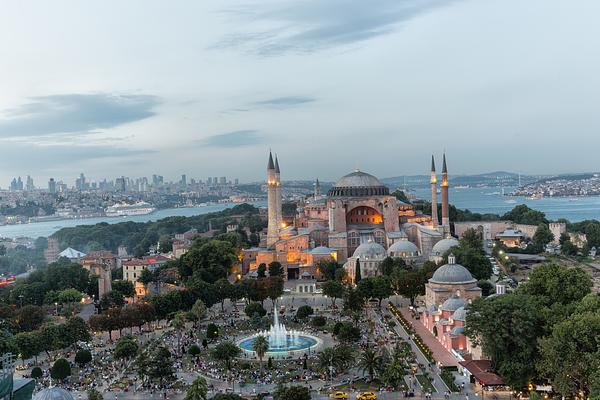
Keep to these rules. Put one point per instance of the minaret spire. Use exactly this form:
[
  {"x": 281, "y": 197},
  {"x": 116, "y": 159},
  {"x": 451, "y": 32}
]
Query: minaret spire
[
  {"x": 434, "y": 207},
  {"x": 278, "y": 193},
  {"x": 272, "y": 203},
  {"x": 445, "y": 203}
]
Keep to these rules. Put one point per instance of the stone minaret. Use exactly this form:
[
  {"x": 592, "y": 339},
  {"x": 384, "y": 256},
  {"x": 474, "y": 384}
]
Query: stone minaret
[
  {"x": 317, "y": 189},
  {"x": 278, "y": 197},
  {"x": 272, "y": 227},
  {"x": 434, "y": 209},
  {"x": 445, "y": 205}
]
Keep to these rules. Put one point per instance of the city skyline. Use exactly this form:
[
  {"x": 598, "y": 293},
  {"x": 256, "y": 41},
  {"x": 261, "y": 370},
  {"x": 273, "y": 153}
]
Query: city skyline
[{"x": 209, "y": 86}]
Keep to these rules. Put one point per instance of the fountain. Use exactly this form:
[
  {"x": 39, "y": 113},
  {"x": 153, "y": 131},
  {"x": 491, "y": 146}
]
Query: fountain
[{"x": 282, "y": 341}]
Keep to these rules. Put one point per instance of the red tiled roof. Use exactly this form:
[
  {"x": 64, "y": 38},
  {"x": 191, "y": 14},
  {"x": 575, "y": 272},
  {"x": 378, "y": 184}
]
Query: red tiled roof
[{"x": 482, "y": 371}]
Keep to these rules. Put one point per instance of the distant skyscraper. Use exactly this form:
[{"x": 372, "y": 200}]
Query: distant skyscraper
[
  {"x": 209, "y": 181},
  {"x": 223, "y": 180},
  {"x": 215, "y": 181},
  {"x": 29, "y": 186},
  {"x": 80, "y": 183},
  {"x": 52, "y": 186},
  {"x": 183, "y": 180},
  {"x": 120, "y": 184},
  {"x": 237, "y": 181}
]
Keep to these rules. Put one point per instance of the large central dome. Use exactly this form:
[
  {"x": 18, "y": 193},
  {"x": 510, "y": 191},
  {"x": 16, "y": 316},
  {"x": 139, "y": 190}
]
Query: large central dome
[{"x": 358, "y": 183}]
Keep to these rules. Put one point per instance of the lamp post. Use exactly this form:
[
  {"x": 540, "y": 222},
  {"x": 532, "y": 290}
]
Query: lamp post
[
  {"x": 56, "y": 308},
  {"x": 21, "y": 300}
]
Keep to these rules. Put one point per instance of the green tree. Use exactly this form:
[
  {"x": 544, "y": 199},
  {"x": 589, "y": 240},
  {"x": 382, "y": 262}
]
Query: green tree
[
  {"x": 329, "y": 269},
  {"x": 160, "y": 367},
  {"x": 353, "y": 300},
  {"x": 178, "y": 323},
  {"x": 69, "y": 296},
  {"x": 223, "y": 289},
  {"x": 522, "y": 214},
  {"x": 29, "y": 317},
  {"x": 393, "y": 374},
  {"x": 294, "y": 392},
  {"x": 199, "y": 311},
  {"x": 381, "y": 288},
  {"x": 198, "y": 390},
  {"x": 212, "y": 331},
  {"x": 408, "y": 283},
  {"x": 569, "y": 356},
  {"x": 357, "y": 273},
  {"x": 225, "y": 351},
  {"x": 126, "y": 347},
  {"x": 486, "y": 287},
  {"x": 333, "y": 289},
  {"x": 260, "y": 347},
  {"x": 370, "y": 362},
  {"x": 112, "y": 299},
  {"x": 94, "y": 394},
  {"x": 566, "y": 246},
  {"x": 28, "y": 344},
  {"x": 194, "y": 350},
  {"x": 304, "y": 311},
  {"x": 60, "y": 370},
  {"x": 124, "y": 287},
  {"x": 78, "y": 329},
  {"x": 83, "y": 357},
  {"x": 275, "y": 269},
  {"x": 508, "y": 327},
  {"x": 541, "y": 238},
  {"x": 255, "y": 308},
  {"x": 226, "y": 396},
  {"x": 36, "y": 373},
  {"x": 261, "y": 270},
  {"x": 553, "y": 283},
  {"x": 349, "y": 333}
]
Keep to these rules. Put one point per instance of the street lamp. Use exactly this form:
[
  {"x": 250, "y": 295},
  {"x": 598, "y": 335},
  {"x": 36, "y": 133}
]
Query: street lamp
[
  {"x": 21, "y": 300},
  {"x": 56, "y": 308}
]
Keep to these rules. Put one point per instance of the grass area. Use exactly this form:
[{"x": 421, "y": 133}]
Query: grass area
[
  {"x": 425, "y": 383},
  {"x": 448, "y": 379}
]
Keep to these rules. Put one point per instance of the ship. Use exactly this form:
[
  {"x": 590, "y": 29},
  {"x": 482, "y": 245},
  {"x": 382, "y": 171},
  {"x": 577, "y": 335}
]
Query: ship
[{"x": 126, "y": 209}]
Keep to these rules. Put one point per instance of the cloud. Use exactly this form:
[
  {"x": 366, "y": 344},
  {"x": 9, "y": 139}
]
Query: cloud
[
  {"x": 42, "y": 157},
  {"x": 307, "y": 26},
  {"x": 75, "y": 113},
  {"x": 242, "y": 138},
  {"x": 284, "y": 102}
]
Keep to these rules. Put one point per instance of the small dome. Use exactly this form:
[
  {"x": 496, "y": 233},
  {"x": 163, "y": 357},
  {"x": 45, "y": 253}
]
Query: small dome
[
  {"x": 460, "y": 314},
  {"x": 370, "y": 251},
  {"x": 441, "y": 247},
  {"x": 321, "y": 250},
  {"x": 53, "y": 393},
  {"x": 452, "y": 273},
  {"x": 358, "y": 183},
  {"x": 458, "y": 331},
  {"x": 409, "y": 249},
  {"x": 453, "y": 303}
]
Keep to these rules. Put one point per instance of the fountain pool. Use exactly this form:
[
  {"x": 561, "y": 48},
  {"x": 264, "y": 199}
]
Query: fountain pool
[{"x": 281, "y": 340}]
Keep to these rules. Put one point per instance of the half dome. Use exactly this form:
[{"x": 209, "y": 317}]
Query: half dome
[
  {"x": 53, "y": 393},
  {"x": 453, "y": 303}
]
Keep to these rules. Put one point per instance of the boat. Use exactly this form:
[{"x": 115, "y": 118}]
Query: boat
[
  {"x": 126, "y": 209},
  {"x": 536, "y": 196}
]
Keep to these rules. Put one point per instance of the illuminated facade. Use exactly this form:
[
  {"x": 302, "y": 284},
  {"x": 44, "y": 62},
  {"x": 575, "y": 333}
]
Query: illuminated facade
[{"x": 357, "y": 210}]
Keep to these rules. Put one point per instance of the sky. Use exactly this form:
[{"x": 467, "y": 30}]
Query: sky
[{"x": 206, "y": 88}]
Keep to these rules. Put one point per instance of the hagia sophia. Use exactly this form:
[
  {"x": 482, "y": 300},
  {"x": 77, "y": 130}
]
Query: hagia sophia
[{"x": 359, "y": 221}]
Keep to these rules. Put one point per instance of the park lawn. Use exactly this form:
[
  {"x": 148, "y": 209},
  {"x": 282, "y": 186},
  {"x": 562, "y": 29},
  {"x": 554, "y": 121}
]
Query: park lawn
[{"x": 425, "y": 383}]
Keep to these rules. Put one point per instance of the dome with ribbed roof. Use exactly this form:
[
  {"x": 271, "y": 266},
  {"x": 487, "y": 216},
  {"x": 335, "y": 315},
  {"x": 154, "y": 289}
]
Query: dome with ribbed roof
[
  {"x": 453, "y": 303},
  {"x": 403, "y": 248},
  {"x": 452, "y": 273},
  {"x": 321, "y": 250},
  {"x": 358, "y": 183},
  {"x": 460, "y": 314},
  {"x": 441, "y": 247},
  {"x": 53, "y": 393},
  {"x": 370, "y": 251}
]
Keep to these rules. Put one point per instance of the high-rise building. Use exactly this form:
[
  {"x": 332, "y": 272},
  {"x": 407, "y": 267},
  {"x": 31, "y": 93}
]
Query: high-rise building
[
  {"x": 52, "y": 186},
  {"x": 120, "y": 184},
  {"x": 215, "y": 181},
  {"x": 29, "y": 186},
  {"x": 183, "y": 181},
  {"x": 236, "y": 181},
  {"x": 209, "y": 181},
  {"x": 223, "y": 180},
  {"x": 80, "y": 183}
]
